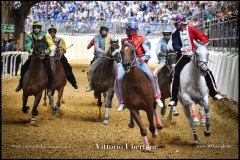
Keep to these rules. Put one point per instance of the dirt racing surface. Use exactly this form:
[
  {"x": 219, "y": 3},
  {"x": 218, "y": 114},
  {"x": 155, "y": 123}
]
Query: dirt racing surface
[{"x": 78, "y": 133}]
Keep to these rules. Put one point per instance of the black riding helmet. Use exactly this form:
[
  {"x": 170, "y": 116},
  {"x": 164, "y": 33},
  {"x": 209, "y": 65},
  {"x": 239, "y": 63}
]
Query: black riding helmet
[{"x": 104, "y": 28}]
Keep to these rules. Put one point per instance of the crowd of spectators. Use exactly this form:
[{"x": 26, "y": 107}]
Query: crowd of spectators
[{"x": 83, "y": 16}]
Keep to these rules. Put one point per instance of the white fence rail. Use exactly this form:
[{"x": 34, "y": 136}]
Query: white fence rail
[
  {"x": 9, "y": 62},
  {"x": 224, "y": 66}
]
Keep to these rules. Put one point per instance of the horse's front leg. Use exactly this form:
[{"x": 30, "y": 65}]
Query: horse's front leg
[
  {"x": 157, "y": 118},
  {"x": 207, "y": 131},
  {"x": 150, "y": 120},
  {"x": 35, "y": 105},
  {"x": 163, "y": 110},
  {"x": 108, "y": 105},
  {"x": 186, "y": 110},
  {"x": 25, "y": 108},
  {"x": 135, "y": 114},
  {"x": 186, "y": 99},
  {"x": 57, "y": 106}
]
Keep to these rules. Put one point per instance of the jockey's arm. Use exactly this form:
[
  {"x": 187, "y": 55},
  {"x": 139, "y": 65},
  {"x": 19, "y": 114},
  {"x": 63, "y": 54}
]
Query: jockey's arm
[
  {"x": 96, "y": 45},
  {"x": 28, "y": 44},
  {"x": 63, "y": 47},
  {"x": 199, "y": 35},
  {"x": 147, "y": 47},
  {"x": 50, "y": 43},
  {"x": 176, "y": 42}
]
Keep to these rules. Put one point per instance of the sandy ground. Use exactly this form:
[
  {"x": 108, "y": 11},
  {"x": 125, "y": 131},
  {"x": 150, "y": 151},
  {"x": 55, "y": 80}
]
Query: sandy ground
[{"x": 78, "y": 133}]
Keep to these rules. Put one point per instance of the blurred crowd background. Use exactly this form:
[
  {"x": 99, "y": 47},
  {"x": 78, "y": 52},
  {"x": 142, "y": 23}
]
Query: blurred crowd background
[{"x": 86, "y": 16}]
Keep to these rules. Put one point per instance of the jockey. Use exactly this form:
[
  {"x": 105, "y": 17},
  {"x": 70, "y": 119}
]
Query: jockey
[
  {"x": 182, "y": 40},
  {"x": 40, "y": 37},
  {"x": 102, "y": 43},
  {"x": 143, "y": 55},
  {"x": 61, "y": 50},
  {"x": 164, "y": 45}
]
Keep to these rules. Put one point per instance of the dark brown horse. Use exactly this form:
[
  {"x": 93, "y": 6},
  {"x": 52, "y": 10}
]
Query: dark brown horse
[
  {"x": 165, "y": 79},
  {"x": 34, "y": 82},
  {"x": 138, "y": 93},
  {"x": 103, "y": 78},
  {"x": 58, "y": 84}
]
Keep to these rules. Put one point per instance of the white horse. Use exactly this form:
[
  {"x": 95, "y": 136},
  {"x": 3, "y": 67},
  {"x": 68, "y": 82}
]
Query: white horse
[{"x": 193, "y": 88}]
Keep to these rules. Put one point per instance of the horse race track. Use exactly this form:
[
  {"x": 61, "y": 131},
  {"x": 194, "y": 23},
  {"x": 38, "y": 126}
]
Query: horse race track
[{"x": 78, "y": 133}]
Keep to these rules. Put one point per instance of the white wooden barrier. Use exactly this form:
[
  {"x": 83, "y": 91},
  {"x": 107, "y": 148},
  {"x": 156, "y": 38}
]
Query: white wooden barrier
[
  {"x": 5, "y": 58},
  {"x": 225, "y": 68}
]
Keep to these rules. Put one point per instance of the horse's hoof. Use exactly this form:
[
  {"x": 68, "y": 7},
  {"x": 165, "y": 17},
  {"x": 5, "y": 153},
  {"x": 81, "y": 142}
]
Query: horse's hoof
[
  {"x": 36, "y": 113},
  {"x": 154, "y": 135},
  {"x": 131, "y": 125},
  {"x": 33, "y": 120},
  {"x": 207, "y": 133},
  {"x": 159, "y": 126},
  {"x": 196, "y": 142},
  {"x": 54, "y": 108},
  {"x": 63, "y": 102},
  {"x": 105, "y": 122},
  {"x": 203, "y": 123},
  {"x": 25, "y": 109}
]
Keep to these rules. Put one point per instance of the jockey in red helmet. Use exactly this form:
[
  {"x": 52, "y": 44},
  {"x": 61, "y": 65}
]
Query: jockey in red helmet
[{"x": 143, "y": 47}]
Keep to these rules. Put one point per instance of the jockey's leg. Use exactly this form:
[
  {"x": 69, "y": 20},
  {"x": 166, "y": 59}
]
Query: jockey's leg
[
  {"x": 47, "y": 65},
  {"x": 24, "y": 69},
  {"x": 69, "y": 73},
  {"x": 158, "y": 68},
  {"x": 176, "y": 80},
  {"x": 93, "y": 67},
  {"x": 154, "y": 80},
  {"x": 115, "y": 67},
  {"x": 212, "y": 86},
  {"x": 118, "y": 87}
]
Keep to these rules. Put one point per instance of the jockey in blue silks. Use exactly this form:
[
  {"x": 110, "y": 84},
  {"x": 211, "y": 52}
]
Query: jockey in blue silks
[
  {"x": 163, "y": 46},
  {"x": 143, "y": 47}
]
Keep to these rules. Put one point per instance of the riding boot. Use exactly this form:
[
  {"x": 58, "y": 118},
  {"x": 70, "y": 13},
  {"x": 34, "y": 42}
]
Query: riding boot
[
  {"x": 47, "y": 65},
  {"x": 69, "y": 73},
  {"x": 24, "y": 69}
]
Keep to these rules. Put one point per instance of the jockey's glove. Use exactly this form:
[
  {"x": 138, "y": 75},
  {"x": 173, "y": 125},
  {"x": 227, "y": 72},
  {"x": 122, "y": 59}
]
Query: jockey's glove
[
  {"x": 52, "y": 53},
  {"x": 30, "y": 52},
  {"x": 47, "y": 51}
]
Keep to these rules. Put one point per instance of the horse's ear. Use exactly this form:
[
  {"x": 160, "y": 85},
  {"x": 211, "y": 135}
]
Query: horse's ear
[
  {"x": 207, "y": 44},
  {"x": 196, "y": 44}
]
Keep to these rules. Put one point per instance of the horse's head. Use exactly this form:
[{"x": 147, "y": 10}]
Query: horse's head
[
  {"x": 114, "y": 51},
  {"x": 128, "y": 54},
  {"x": 171, "y": 58},
  {"x": 39, "y": 50},
  {"x": 201, "y": 57}
]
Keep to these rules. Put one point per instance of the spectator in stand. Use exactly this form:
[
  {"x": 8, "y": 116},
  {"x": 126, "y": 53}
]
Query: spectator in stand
[
  {"x": 3, "y": 48},
  {"x": 11, "y": 45},
  {"x": 195, "y": 22}
]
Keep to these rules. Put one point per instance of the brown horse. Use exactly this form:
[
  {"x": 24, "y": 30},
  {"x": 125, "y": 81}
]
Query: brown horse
[
  {"x": 165, "y": 79},
  {"x": 103, "y": 78},
  {"x": 58, "y": 84},
  {"x": 138, "y": 92},
  {"x": 34, "y": 82}
]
